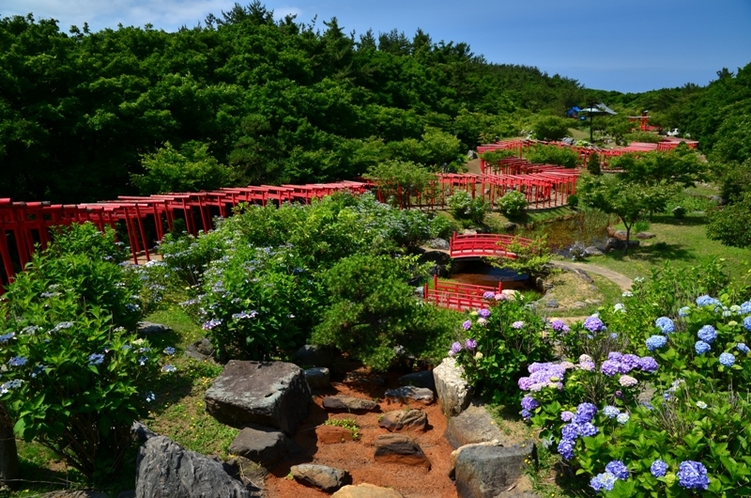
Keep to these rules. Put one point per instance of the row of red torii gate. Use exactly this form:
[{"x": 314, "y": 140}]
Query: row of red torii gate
[{"x": 24, "y": 226}]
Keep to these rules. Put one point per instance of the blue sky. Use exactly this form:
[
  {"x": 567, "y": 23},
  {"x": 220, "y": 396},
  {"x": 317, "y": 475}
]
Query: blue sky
[{"x": 629, "y": 46}]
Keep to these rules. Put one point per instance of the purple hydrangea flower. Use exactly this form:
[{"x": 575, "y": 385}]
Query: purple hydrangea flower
[
  {"x": 488, "y": 295},
  {"x": 610, "y": 368},
  {"x": 526, "y": 414},
  {"x": 727, "y": 359},
  {"x": 589, "y": 366},
  {"x": 594, "y": 324},
  {"x": 470, "y": 344},
  {"x": 648, "y": 364},
  {"x": 630, "y": 362},
  {"x": 455, "y": 348},
  {"x": 618, "y": 469},
  {"x": 603, "y": 482},
  {"x": 214, "y": 322},
  {"x": 707, "y": 334},
  {"x": 560, "y": 326},
  {"x": 483, "y": 313},
  {"x": 519, "y": 324},
  {"x": 467, "y": 324},
  {"x": 665, "y": 325},
  {"x": 656, "y": 342},
  {"x": 692, "y": 475},
  {"x": 566, "y": 449},
  {"x": 659, "y": 468},
  {"x": 529, "y": 403},
  {"x": 702, "y": 347}
]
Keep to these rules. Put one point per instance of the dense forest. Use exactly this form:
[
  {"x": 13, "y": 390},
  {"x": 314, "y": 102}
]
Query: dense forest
[{"x": 251, "y": 99}]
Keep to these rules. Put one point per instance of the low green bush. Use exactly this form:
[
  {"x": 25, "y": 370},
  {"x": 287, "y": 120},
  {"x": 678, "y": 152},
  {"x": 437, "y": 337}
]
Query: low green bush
[{"x": 512, "y": 204}]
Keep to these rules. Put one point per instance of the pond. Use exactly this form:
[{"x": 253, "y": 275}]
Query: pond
[
  {"x": 588, "y": 228},
  {"x": 478, "y": 272}
]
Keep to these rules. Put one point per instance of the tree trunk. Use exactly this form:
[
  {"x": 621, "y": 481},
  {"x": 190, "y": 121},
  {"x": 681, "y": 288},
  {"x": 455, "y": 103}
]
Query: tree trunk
[{"x": 8, "y": 455}]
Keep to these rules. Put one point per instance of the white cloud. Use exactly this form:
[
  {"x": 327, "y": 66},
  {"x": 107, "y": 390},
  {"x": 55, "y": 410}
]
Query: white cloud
[{"x": 282, "y": 12}]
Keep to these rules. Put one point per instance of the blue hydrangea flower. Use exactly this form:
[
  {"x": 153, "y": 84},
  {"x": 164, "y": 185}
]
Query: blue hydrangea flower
[
  {"x": 169, "y": 368},
  {"x": 665, "y": 324},
  {"x": 566, "y": 449},
  {"x": 17, "y": 361},
  {"x": 611, "y": 411},
  {"x": 569, "y": 432},
  {"x": 706, "y": 301},
  {"x": 603, "y": 482},
  {"x": 747, "y": 323},
  {"x": 526, "y": 414},
  {"x": 692, "y": 475},
  {"x": 610, "y": 367},
  {"x": 702, "y": 347},
  {"x": 169, "y": 350},
  {"x": 618, "y": 469},
  {"x": 741, "y": 346},
  {"x": 659, "y": 468},
  {"x": 727, "y": 359},
  {"x": 746, "y": 308},
  {"x": 656, "y": 342},
  {"x": 96, "y": 359},
  {"x": 588, "y": 429},
  {"x": 6, "y": 337},
  {"x": 683, "y": 312},
  {"x": 622, "y": 418},
  {"x": 707, "y": 334},
  {"x": 529, "y": 403},
  {"x": 584, "y": 413}
]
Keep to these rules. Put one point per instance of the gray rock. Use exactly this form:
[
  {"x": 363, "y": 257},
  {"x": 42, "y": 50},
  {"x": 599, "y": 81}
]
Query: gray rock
[
  {"x": 473, "y": 425},
  {"x": 366, "y": 490},
  {"x": 583, "y": 275},
  {"x": 510, "y": 226},
  {"x": 318, "y": 377},
  {"x": 577, "y": 305},
  {"x": 620, "y": 234},
  {"x": 201, "y": 350},
  {"x": 439, "y": 243},
  {"x": 131, "y": 493},
  {"x": 326, "y": 478},
  {"x": 314, "y": 355},
  {"x": 423, "y": 378},
  {"x": 349, "y": 403},
  {"x": 262, "y": 445},
  {"x": 438, "y": 270},
  {"x": 488, "y": 471},
  {"x": 75, "y": 493},
  {"x": 551, "y": 303},
  {"x": 645, "y": 235},
  {"x": 454, "y": 393},
  {"x": 140, "y": 432},
  {"x": 406, "y": 394},
  {"x": 420, "y": 291},
  {"x": 145, "y": 329},
  {"x": 166, "y": 470},
  {"x": 407, "y": 420},
  {"x": 272, "y": 394},
  {"x": 398, "y": 448},
  {"x": 593, "y": 251},
  {"x": 718, "y": 199}
]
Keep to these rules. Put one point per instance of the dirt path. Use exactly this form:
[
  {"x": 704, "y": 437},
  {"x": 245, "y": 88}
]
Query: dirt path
[{"x": 621, "y": 280}]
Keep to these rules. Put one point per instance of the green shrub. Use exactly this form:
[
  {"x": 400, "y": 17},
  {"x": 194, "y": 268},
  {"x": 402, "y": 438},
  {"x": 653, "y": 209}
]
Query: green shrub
[
  {"x": 573, "y": 200},
  {"x": 643, "y": 136},
  {"x": 679, "y": 212},
  {"x": 551, "y": 128},
  {"x": 463, "y": 207},
  {"x": 550, "y": 154},
  {"x": 512, "y": 204}
]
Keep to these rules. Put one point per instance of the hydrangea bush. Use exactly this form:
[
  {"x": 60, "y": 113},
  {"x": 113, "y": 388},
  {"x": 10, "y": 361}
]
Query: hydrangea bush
[
  {"x": 657, "y": 408},
  {"x": 498, "y": 342},
  {"x": 74, "y": 375}
]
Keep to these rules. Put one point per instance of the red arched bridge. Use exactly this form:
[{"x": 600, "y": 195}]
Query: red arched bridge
[{"x": 483, "y": 245}]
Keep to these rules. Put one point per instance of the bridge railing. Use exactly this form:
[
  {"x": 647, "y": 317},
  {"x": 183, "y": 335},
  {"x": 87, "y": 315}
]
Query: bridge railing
[
  {"x": 458, "y": 296},
  {"x": 484, "y": 244}
]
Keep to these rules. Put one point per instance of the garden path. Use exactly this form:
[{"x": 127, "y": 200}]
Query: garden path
[{"x": 620, "y": 279}]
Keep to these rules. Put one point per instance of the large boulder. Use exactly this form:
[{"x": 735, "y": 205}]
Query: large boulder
[
  {"x": 408, "y": 394},
  {"x": 272, "y": 394},
  {"x": 366, "y": 490},
  {"x": 318, "y": 377},
  {"x": 404, "y": 420},
  {"x": 397, "y": 448},
  {"x": 314, "y": 355},
  {"x": 488, "y": 471},
  {"x": 454, "y": 393},
  {"x": 166, "y": 470},
  {"x": 146, "y": 329},
  {"x": 473, "y": 425},
  {"x": 320, "y": 476},
  {"x": 261, "y": 445}
]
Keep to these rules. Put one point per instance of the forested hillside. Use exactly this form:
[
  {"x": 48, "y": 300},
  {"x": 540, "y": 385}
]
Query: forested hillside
[{"x": 257, "y": 100}]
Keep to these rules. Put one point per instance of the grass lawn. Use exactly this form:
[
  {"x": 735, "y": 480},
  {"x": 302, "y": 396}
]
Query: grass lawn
[{"x": 682, "y": 242}]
